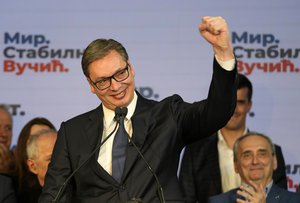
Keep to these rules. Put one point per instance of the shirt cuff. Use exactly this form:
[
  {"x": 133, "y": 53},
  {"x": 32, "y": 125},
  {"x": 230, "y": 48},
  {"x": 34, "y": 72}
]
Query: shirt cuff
[{"x": 227, "y": 65}]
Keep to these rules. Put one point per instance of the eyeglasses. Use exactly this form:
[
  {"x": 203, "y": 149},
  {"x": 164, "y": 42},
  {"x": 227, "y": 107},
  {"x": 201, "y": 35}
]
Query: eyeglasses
[{"x": 119, "y": 76}]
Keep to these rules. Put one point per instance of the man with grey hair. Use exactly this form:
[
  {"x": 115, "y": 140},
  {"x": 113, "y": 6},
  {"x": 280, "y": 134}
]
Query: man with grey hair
[
  {"x": 7, "y": 160},
  {"x": 207, "y": 166},
  {"x": 39, "y": 150},
  {"x": 255, "y": 160}
]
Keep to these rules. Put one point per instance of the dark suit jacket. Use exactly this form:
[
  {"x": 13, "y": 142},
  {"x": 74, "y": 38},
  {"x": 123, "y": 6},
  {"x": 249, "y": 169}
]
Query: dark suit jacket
[
  {"x": 7, "y": 192},
  {"x": 30, "y": 191},
  {"x": 160, "y": 130},
  {"x": 276, "y": 195},
  {"x": 200, "y": 174}
]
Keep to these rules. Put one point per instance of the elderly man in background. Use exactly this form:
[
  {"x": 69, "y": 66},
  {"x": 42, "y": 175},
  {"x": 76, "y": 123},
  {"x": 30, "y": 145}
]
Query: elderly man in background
[
  {"x": 255, "y": 160},
  {"x": 39, "y": 151}
]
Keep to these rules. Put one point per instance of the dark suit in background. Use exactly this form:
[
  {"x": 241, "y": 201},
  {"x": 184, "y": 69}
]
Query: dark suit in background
[
  {"x": 276, "y": 195},
  {"x": 7, "y": 192},
  {"x": 200, "y": 174}
]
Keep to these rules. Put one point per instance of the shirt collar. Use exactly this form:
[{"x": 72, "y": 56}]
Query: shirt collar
[
  {"x": 221, "y": 137},
  {"x": 267, "y": 189},
  {"x": 110, "y": 114},
  {"x": 131, "y": 107}
]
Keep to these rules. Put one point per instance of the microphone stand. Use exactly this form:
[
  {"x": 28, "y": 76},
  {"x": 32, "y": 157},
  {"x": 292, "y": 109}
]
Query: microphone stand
[
  {"x": 118, "y": 113},
  {"x": 159, "y": 187},
  {"x": 63, "y": 186},
  {"x": 123, "y": 112}
]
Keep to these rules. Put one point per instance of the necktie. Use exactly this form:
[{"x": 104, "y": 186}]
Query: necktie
[{"x": 119, "y": 151}]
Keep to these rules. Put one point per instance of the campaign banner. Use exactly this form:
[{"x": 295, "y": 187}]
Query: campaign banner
[{"x": 42, "y": 44}]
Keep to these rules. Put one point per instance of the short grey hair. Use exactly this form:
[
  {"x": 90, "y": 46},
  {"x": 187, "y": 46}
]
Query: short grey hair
[
  {"x": 251, "y": 133},
  {"x": 32, "y": 147}
]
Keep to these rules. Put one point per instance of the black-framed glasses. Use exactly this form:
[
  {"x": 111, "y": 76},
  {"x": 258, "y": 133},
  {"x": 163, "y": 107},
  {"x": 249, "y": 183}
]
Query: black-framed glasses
[{"x": 119, "y": 76}]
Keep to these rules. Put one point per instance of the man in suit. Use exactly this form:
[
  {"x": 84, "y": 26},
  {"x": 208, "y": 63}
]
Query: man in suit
[
  {"x": 255, "y": 161},
  {"x": 206, "y": 168},
  {"x": 7, "y": 192},
  {"x": 157, "y": 130},
  {"x": 39, "y": 150}
]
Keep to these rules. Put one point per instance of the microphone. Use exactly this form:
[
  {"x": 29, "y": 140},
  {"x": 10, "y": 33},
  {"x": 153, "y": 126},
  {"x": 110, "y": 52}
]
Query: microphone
[
  {"x": 118, "y": 113},
  {"x": 159, "y": 187}
]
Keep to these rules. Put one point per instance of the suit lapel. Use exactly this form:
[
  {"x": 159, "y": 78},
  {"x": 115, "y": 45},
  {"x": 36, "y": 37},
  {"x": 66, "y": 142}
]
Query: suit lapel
[
  {"x": 93, "y": 130},
  {"x": 139, "y": 121},
  {"x": 213, "y": 158},
  {"x": 233, "y": 195},
  {"x": 274, "y": 194},
  {"x": 94, "y": 127}
]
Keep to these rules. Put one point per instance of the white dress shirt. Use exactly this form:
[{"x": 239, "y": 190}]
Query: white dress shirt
[
  {"x": 229, "y": 178},
  {"x": 105, "y": 153},
  {"x": 227, "y": 65}
]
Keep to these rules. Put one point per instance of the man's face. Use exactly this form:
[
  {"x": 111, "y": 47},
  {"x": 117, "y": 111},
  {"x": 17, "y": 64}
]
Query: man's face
[
  {"x": 5, "y": 128},
  {"x": 119, "y": 94},
  {"x": 45, "y": 147},
  {"x": 255, "y": 160},
  {"x": 243, "y": 106}
]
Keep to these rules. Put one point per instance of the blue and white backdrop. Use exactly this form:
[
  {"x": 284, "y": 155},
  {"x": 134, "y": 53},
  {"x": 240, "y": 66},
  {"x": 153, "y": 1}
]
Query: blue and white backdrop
[{"x": 42, "y": 41}]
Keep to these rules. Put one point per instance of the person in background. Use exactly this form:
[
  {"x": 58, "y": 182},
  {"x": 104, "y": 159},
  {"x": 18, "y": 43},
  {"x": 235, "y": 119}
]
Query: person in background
[
  {"x": 254, "y": 161},
  {"x": 7, "y": 191},
  {"x": 28, "y": 189},
  {"x": 156, "y": 130},
  {"x": 205, "y": 167},
  {"x": 39, "y": 151},
  {"x": 7, "y": 159}
]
